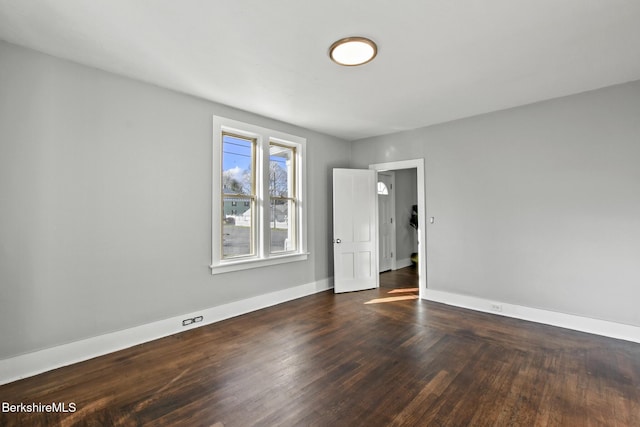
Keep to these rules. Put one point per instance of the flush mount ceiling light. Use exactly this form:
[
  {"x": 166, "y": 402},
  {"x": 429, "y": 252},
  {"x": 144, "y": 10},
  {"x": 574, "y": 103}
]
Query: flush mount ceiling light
[{"x": 352, "y": 51}]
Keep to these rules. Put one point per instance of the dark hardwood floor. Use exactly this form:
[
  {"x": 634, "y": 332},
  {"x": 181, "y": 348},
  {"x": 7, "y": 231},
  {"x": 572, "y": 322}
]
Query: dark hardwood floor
[{"x": 360, "y": 359}]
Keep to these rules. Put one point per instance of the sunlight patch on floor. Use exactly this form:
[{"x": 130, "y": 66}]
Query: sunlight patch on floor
[
  {"x": 403, "y": 290},
  {"x": 391, "y": 299}
]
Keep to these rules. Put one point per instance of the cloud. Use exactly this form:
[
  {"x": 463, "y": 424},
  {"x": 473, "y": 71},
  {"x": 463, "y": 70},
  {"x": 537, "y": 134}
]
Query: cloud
[{"x": 234, "y": 173}]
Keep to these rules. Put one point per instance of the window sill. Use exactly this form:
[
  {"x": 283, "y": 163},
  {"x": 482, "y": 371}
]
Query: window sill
[{"x": 229, "y": 266}]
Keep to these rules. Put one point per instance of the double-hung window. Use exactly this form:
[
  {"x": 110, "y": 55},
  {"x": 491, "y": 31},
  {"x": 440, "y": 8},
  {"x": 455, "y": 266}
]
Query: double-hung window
[{"x": 259, "y": 209}]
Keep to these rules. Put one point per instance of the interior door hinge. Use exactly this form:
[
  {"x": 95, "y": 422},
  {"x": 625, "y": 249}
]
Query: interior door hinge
[{"x": 391, "y": 220}]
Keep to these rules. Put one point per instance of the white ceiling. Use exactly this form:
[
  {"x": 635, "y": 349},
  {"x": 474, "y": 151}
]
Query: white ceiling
[{"x": 438, "y": 60}]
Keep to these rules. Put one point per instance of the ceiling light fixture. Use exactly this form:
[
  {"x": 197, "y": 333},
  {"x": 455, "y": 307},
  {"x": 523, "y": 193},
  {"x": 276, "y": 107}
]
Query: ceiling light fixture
[{"x": 352, "y": 51}]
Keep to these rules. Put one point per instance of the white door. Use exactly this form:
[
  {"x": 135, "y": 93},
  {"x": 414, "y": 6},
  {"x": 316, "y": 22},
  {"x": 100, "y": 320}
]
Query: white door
[
  {"x": 354, "y": 230},
  {"x": 385, "y": 220}
]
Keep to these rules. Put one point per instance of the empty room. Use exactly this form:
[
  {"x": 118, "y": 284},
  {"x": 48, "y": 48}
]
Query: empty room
[{"x": 339, "y": 213}]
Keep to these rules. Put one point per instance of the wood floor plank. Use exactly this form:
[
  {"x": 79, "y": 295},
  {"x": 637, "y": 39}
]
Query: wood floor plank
[{"x": 363, "y": 358}]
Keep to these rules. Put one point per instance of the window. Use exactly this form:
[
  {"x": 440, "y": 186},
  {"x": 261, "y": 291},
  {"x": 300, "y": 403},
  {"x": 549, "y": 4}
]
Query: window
[
  {"x": 282, "y": 195},
  {"x": 382, "y": 188},
  {"x": 259, "y": 214},
  {"x": 238, "y": 183}
]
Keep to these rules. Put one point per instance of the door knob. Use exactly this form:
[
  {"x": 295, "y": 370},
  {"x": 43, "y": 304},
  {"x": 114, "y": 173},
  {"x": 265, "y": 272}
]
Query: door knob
[{"x": 338, "y": 241}]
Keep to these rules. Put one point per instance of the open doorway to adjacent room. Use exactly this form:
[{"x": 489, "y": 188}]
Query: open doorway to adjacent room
[{"x": 402, "y": 261}]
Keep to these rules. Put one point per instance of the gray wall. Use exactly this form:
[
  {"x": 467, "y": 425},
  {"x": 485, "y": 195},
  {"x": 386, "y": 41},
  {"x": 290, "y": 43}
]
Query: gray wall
[
  {"x": 105, "y": 204},
  {"x": 537, "y": 205},
  {"x": 406, "y": 196}
]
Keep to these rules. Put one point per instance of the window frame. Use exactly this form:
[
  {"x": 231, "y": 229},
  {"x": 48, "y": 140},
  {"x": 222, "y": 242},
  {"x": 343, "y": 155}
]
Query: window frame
[{"x": 264, "y": 138}]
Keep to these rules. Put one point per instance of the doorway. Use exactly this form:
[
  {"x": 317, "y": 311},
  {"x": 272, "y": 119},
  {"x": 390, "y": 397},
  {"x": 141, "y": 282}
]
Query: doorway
[{"x": 417, "y": 168}]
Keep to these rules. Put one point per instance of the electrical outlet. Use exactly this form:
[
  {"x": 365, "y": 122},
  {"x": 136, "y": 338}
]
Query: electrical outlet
[
  {"x": 496, "y": 307},
  {"x": 198, "y": 319}
]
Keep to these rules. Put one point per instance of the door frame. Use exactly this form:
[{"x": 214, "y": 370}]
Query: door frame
[
  {"x": 392, "y": 201},
  {"x": 418, "y": 164}
]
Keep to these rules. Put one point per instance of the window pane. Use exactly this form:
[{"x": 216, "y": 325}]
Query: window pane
[
  {"x": 281, "y": 167},
  {"x": 237, "y": 165},
  {"x": 282, "y": 224},
  {"x": 237, "y": 225},
  {"x": 382, "y": 188}
]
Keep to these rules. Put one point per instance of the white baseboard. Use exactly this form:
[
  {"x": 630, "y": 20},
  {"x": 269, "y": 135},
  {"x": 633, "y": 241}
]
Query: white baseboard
[
  {"x": 402, "y": 263},
  {"x": 31, "y": 364},
  {"x": 563, "y": 320}
]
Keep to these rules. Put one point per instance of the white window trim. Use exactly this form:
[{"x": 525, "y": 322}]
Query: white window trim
[{"x": 263, "y": 257}]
